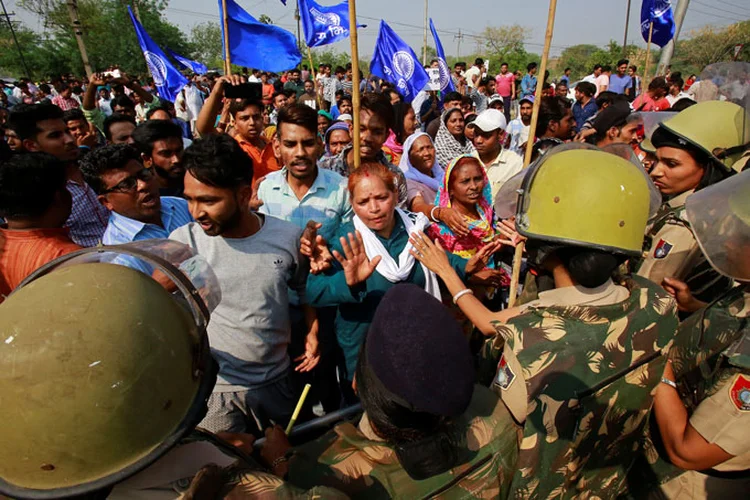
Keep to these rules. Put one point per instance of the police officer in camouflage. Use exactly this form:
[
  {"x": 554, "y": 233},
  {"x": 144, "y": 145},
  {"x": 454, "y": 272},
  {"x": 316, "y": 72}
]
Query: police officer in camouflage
[
  {"x": 103, "y": 378},
  {"x": 694, "y": 149},
  {"x": 576, "y": 367},
  {"x": 702, "y": 406},
  {"x": 428, "y": 430}
]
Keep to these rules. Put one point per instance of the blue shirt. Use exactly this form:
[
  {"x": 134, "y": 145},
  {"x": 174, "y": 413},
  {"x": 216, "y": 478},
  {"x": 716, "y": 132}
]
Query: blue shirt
[
  {"x": 619, "y": 84},
  {"x": 327, "y": 201},
  {"x": 121, "y": 229},
  {"x": 583, "y": 113},
  {"x": 528, "y": 85}
]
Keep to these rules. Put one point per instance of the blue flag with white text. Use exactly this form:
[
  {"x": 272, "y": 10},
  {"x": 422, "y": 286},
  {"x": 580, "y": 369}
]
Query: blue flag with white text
[
  {"x": 168, "y": 80},
  {"x": 194, "y": 66},
  {"x": 323, "y": 25},
  {"x": 395, "y": 62},
  {"x": 446, "y": 82},
  {"x": 660, "y": 13},
  {"x": 256, "y": 45}
]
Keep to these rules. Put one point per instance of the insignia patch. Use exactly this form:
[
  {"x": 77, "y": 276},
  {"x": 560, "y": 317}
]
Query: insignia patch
[
  {"x": 662, "y": 249},
  {"x": 505, "y": 375},
  {"x": 739, "y": 393}
]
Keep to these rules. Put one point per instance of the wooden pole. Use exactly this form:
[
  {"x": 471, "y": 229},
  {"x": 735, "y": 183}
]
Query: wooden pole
[
  {"x": 517, "y": 256},
  {"x": 227, "y": 57},
  {"x": 625, "y": 39},
  {"x": 424, "y": 47},
  {"x": 315, "y": 80},
  {"x": 355, "y": 79},
  {"x": 15, "y": 39},
  {"x": 76, "y": 22},
  {"x": 648, "y": 54},
  {"x": 137, "y": 11}
]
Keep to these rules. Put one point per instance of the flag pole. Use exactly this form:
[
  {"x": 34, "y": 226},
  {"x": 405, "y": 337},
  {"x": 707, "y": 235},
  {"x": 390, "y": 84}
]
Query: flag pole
[
  {"x": 355, "y": 79},
  {"x": 648, "y": 53},
  {"x": 315, "y": 80},
  {"x": 227, "y": 57},
  {"x": 517, "y": 256}
]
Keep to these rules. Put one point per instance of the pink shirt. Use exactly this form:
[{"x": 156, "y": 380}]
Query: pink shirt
[
  {"x": 504, "y": 84},
  {"x": 644, "y": 102}
]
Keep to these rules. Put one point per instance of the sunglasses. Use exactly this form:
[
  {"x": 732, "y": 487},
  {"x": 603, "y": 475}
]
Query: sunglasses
[{"x": 130, "y": 183}]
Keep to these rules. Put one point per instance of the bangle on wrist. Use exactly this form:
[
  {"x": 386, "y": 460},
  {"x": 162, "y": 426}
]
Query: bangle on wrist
[
  {"x": 671, "y": 383},
  {"x": 432, "y": 214},
  {"x": 465, "y": 291},
  {"x": 282, "y": 459}
]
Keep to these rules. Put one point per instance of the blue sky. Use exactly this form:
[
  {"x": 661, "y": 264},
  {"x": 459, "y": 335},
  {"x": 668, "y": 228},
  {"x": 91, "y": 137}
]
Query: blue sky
[{"x": 577, "y": 21}]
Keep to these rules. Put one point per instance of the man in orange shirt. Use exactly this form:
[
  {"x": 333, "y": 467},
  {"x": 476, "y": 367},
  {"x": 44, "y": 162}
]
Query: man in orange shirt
[
  {"x": 35, "y": 205},
  {"x": 248, "y": 126}
]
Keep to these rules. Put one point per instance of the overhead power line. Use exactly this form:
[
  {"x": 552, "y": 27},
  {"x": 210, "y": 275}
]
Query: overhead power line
[{"x": 719, "y": 8}]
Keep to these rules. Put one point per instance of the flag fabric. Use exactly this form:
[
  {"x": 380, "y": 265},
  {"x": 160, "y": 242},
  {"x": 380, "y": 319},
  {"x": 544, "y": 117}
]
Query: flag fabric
[
  {"x": 194, "y": 66},
  {"x": 323, "y": 25},
  {"x": 446, "y": 82},
  {"x": 168, "y": 80},
  {"x": 660, "y": 13},
  {"x": 395, "y": 62},
  {"x": 256, "y": 45}
]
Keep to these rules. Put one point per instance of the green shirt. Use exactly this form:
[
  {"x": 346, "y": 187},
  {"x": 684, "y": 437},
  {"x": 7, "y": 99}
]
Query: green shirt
[
  {"x": 97, "y": 116},
  {"x": 356, "y": 305}
]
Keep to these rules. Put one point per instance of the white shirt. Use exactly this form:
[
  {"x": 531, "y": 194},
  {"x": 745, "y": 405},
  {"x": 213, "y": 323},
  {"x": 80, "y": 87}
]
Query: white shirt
[
  {"x": 506, "y": 165},
  {"x": 590, "y": 78},
  {"x": 674, "y": 98},
  {"x": 105, "y": 106},
  {"x": 470, "y": 73}
]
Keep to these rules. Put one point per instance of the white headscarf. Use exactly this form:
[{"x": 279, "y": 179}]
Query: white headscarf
[
  {"x": 388, "y": 268},
  {"x": 412, "y": 172}
]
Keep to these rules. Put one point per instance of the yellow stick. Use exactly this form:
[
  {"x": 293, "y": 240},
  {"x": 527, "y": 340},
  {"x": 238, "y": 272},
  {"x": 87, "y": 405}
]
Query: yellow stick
[
  {"x": 315, "y": 80},
  {"x": 355, "y": 79},
  {"x": 648, "y": 54},
  {"x": 227, "y": 57},
  {"x": 298, "y": 409},
  {"x": 518, "y": 255}
]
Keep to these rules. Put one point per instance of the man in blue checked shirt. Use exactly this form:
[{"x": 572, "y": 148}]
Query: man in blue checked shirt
[
  {"x": 131, "y": 192},
  {"x": 298, "y": 193}
]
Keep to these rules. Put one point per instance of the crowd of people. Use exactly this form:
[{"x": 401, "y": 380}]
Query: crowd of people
[{"x": 382, "y": 277}]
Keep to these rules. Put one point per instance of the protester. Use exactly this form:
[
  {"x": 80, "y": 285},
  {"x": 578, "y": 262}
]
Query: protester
[
  {"x": 595, "y": 73},
  {"x": 337, "y": 138},
  {"x": 309, "y": 97},
  {"x": 636, "y": 87},
  {"x": 248, "y": 124},
  {"x": 161, "y": 147},
  {"x": 295, "y": 83},
  {"x": 518, "y": 129},
  {"x": 450, "y": 141},
  {"x": 375, "y": 121},
  {"x": 585, "y": 305},
  {"x": 118, "y": 129},
  {"x": 654, "y": 99},
  {"x": 489, "y": 137},
  {"x": 480, "y": 95},
  {"x": 505, "y": 88},
  {"x": 602, "y": 81},
  {"x": 474, "y": 74},
  {"x": 620, "y": 83},
  {"x": 616, "y": 125},
  {"x": 121, "y": 104},
  {"x": 429, "y": 109},
  {"x": 324, "y": 121},
  {"x": 85, "y": 135},
  {"x": 41, "y": 129},
  {"x": 423, "y": 175},
  {"x": 561, "y": 90},
  {"x": 585, "y": 106},
  {"x": 675, "y": 91},
  {"x": 405, "y": 124},
  {"x": 565, "y": 78},
  {"x": 412, "y": 405},
  {"x": 555, "y": 119},
  {"x": 131, "y": 192},
  {"x": 35, "y": 205},
  {"x": 528, "y": 83},
  {"x": 64, "y": 99},
  {"x": 256, "y": 258}
]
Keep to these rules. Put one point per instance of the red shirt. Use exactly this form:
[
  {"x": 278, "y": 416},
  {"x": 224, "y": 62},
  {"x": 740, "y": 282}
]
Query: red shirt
[
  {"x": 264, "y": 161},
  {"x": 645, "y": 102},
  {"x": 504, "y": 84},
  {"x": 65, "y": 104},
  {"x": 23, "y": 252}
]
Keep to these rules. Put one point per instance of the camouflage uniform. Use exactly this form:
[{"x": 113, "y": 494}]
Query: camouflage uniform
[
  {"x": 710, "y": 355},
  {"x": 359, "y": 463},
  {"x": 589, "y": 373},
  {"x": 671, "y": 250}
]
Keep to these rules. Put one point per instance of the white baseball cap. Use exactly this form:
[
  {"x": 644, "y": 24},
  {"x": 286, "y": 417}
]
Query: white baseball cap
[{"x": 489, "y": 120}]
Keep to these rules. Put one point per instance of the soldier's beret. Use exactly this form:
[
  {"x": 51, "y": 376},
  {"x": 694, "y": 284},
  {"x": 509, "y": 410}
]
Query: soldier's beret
[{"x": 418, "y": 352}]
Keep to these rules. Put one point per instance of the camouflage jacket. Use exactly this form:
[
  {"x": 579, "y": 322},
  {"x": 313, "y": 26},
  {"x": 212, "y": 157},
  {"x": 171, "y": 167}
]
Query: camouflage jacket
[
  {"x": 590, "y": 373},
  {"x": 710, "y": 347},
  {"x": 363, "y": 468}
]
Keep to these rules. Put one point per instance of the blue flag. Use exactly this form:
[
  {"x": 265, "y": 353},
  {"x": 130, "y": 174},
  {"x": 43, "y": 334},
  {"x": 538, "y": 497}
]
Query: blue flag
[
  {"x": 446, "y": 82},
  {"x": 395, "y": 62},
  {"x": 167, "y": 79},
  {"x": 324, "y": 25},
  {"x": 256, "y": 45},
  {"x": 660, "y": 13},
  {"x": 194, "y": 66}
]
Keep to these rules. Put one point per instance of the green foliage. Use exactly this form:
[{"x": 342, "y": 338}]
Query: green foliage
[
  {"x": 581, "y": 59},
  {"x": 709, "y": 45},
  {"x": 334, "y": 58},
  {"x": 206, "y": 38}
]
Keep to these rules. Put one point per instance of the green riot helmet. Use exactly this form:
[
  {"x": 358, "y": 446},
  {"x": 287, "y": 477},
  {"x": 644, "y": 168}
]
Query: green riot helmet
[
  {"x": 102, "y": 371},
  {"x": 580, "y": 195},
  {"x": 719, "y": 216}
]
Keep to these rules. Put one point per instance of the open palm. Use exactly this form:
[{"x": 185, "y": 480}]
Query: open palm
[{"x": 357, "y": 266}]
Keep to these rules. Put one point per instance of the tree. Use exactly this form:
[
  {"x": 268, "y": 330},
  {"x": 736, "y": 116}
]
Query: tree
[
  {"x": 206, "y": 39},
  {"x": 709, "y": 45},
  {"x": 505, "y": 44},
  {"x": 265, "y": 19}
]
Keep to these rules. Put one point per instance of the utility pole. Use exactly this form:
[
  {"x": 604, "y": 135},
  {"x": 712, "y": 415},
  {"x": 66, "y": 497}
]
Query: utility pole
[
  {"x": 76, "y": 23},
  {"x": 299, "y": 31},
  {"x": 668, "y": 50},
  {"x": 625, "y": 40},
  {"x": 424, "y": 47},
  {"x": 458, "y": 37},
  {"x": 15, "y": 40}
]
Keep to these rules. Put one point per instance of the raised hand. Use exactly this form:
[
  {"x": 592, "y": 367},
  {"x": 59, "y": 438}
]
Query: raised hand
[
  {"x": 90, "y": 139},
  {"x": 507, "y": 228},
  {"x": 432, "y": 255},
  {"x": 680, "y": 290},
  {"x": 357, "y": 266},
  {"x": 455, "y": 221},
  {"x": 315, "y": 247},
  {"x": 482, "y": 257}
]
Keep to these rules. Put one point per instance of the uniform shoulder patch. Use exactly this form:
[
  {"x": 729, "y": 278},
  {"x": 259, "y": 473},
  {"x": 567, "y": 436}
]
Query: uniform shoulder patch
[
  {"x": 505, "y": 375},
  {"x": 739, "y": 392},
  {"x": 662, "y": 249}
]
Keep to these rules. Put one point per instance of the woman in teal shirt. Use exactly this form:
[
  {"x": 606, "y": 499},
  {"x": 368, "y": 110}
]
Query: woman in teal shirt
[{"x": 369, "y": 255}]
